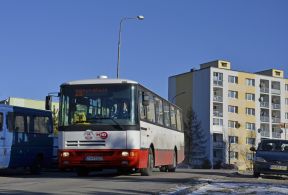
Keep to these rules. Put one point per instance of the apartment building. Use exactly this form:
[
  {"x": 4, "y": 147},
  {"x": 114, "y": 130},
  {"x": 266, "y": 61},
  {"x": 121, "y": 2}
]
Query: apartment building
[{"x": 236, "y": 109}]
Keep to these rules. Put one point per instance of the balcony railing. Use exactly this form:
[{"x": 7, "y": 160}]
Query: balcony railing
[
  {"x": 264, "y": 104},
  {"x": 276, "y": 134},
  {"x": 217, "y": 113},
  {"x": 265, "y": 134},
  {"x": 276, "y": 91},
  {"x": 275, "y": 106},
  {"x": 264, "y": 118},
  {"x": 218, "y": 82},
  {"x": 276, "y": 120},
  {"x": 264, "y": 89},
  {"x": 218, "y": 98},
  {"x": 218, "y": 144}
]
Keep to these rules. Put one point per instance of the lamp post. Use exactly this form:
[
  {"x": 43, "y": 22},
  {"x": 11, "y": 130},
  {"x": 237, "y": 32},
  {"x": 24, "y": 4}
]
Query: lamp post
[
  {"x": 119, "y": 38},
  {"x": 181, "y": 93}
]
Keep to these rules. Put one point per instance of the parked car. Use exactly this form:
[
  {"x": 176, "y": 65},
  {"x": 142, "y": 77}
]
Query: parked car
[{"x": 271, "y": 157}]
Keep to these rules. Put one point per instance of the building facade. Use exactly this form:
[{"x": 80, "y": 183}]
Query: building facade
[{"x": 236, "y": 109}]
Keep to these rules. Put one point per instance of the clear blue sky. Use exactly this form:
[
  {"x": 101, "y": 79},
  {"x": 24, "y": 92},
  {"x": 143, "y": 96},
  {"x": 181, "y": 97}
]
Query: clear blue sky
[{"x": 46, "y": 43}]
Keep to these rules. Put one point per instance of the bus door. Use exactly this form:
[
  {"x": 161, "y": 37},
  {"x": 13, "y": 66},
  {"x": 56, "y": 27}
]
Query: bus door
[{"x": 5, "y": 143}]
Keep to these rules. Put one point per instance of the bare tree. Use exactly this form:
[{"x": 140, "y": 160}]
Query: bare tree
[{"x": 195, "y": 139}]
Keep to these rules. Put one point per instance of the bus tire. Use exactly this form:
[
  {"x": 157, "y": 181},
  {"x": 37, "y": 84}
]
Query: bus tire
[
  {"x": 163, "y": 169},
  {"x": 82, "y": 171},
  {"x": 36, "y": 166},
  {"x": 150, "y": 164},
  {"x": 172, "y": 168}
]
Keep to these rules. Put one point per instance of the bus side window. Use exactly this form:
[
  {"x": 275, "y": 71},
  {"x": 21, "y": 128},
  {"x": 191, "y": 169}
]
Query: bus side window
[
  {"x": 19, "y": 123},
  {"x": 142, "y": 108},
  {"x": 42, "y": 125},
  {"x": 166, "y": 115},
  {"x": 179, "y": 120},
  {"x": 159, "y": 110},
  {"x": 1, "y": 121},
  {"x": 9, "y": 121},
  {"x": 173, "y": 117},
  {"x": 151, "y": 109}
]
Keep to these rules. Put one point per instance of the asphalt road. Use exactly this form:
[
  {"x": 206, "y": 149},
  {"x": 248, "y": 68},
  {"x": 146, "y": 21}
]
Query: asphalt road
[{"x": 108, "y": 182}]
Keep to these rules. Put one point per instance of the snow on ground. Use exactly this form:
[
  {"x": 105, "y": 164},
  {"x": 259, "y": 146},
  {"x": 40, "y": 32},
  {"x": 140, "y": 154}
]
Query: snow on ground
[
  {"x": 214, "y": 187},
  {"x": 223, "y": 188}
]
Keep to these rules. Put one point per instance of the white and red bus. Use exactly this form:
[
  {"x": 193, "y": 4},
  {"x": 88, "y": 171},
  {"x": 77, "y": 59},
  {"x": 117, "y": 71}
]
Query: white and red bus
[{"x": 117, "y": 123}]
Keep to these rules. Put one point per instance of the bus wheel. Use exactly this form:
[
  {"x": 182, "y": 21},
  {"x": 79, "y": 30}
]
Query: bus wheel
[
  {"x": 163, "y": 169},
  {"x": 82, "y": 172},
  {"x": 150, "y": 164},
  {"x": 172, "y": 168},
  {"x": 35, "y": 168}
]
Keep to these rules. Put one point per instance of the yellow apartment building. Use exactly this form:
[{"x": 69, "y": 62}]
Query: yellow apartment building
[{"x": 236, "y": 109}]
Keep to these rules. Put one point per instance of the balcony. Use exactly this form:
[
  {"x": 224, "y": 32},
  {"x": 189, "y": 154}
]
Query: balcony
[
  {"x": 217, "y": 113},
  {"x": 264, "y": 90},
  {"x": 217, "y": 98},
  {"x": 276, "y": 134},
  {"x": 265, "y": 133},
  {"x": 219, "y": 144},
  {"x": 218, "y": 82},
  {"x": 275, "y": 91},
  {"x": 276, "y": 120},
  {"x": 275, "y": 106},
  {"x": 264, "y": 104},
  {"x": 264, "y": 119}
]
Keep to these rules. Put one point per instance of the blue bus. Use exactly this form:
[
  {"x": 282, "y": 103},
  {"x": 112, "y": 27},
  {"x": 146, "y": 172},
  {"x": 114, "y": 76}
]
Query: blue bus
[{"x": 25, "y": 138}]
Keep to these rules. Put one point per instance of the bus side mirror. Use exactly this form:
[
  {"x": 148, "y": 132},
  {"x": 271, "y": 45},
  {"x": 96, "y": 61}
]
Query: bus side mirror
[
  {"x": 145, "y": 101},
  {"x": 48, "y": 102},
  {"x": 253, "y": 149}
]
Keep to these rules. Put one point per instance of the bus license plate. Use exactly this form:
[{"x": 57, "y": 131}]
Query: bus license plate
[
  {"x": 278, "y": 167},
  {"x": 94, "y": 158}
]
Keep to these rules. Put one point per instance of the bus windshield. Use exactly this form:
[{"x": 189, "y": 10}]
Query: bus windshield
[{"x": 105, "y": 104}]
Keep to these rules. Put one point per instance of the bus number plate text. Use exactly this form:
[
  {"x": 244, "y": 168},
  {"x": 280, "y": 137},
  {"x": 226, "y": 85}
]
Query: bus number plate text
[{"x": 94, "y": 158}]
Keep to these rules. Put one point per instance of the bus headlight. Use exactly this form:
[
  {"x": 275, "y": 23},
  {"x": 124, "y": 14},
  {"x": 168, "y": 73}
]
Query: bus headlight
[
  {"x": 125, "y": 153},
  {"x": 65, "y": 154}
]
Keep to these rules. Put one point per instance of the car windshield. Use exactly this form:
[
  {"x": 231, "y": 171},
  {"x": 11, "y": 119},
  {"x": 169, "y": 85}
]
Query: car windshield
[
  {"x": 109, "y": 104},
  {"x": 274, "y": 145}
]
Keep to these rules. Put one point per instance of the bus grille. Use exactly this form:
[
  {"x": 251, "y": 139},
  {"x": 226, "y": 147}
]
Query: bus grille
[{"x": 85, "y": 143}]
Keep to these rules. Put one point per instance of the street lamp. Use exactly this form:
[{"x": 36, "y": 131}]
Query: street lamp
[
  {"x": 119, "y": 38},
  {"x": 178, "y": 94}
]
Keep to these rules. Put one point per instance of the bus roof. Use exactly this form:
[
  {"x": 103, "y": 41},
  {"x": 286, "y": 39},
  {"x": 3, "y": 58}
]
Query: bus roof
[
  {"x": 25, "y": 109},
  {"x": 99, "y": 81}
]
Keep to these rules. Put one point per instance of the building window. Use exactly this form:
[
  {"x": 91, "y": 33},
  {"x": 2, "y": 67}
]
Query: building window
[
  {"x": 217, "y": 76},
  {"x": 286, "y": 101},
  {"x": 278, "y": 73},
  {"x": 217, "y": 122},
  {"x": 286, "y": 115},
  {"x": 250, "y": 96},
  {"x": 250, "y": 111},
  {"x": 233, "y": 79},
  {"x": 249, "y": 156},
  {"x": 250, "y": 141},
  {"x": 233, "y": 109},
  {"x": 250, "y": 82},
  {"x": 233, "y": 94},
  {"x": 250, "y": 126},
  {"x": 286, "y": 87},
  {"x": 232, "y": 124},
  {"x": 233, "y": 139},
  {"x": 233, "y": 155}
]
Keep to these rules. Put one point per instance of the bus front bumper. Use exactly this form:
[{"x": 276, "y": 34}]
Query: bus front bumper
[{"x": 102, "y": 158}]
